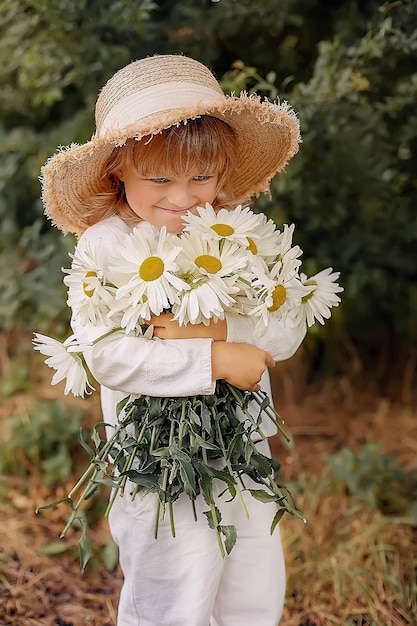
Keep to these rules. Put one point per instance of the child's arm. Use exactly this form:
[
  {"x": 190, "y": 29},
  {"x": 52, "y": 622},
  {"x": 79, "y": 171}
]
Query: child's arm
[
  {"x": 279, "y": 340},
  {"x": 236, "y": 360},
  {"x": 165, "y": 327},
  {"x": 240, "y": 364}
]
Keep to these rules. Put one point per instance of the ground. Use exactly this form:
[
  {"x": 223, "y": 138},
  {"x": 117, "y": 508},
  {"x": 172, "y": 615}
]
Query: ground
[{"x": 40, "y": 582}]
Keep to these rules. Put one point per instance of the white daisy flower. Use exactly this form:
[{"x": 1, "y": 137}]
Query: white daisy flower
[
  {"x": 66, "y": 358},
  {"x": 235, "y": 225},
  {"x": 129, "y": 316},
  {"x": 88, "y": 292},
  {"x": 287, "y": 264},
  {"x": 285, "y": 238},
  {"x": 278, "y": 293},
  {"x": 211, "y": 257},
  {"x": 212, "y": 269},
  {"x": 267, "y": 242},
  {"x": 144, "y": 272},
  {"x": 316, "y": 305},
  {"x": 207, "y": 300}
]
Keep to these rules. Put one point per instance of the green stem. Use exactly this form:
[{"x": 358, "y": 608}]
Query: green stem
[
  {"x": 110, "y": 332},
  {"x": 241, "y": 404},
  {"x": 79, "y": 503},
  {"x": 101, "y": 457},
  {"x": 156, "y": 526},
  {"x": 229, "y": 468},
  {"x": 165, "y": 475},
  {"x": 194, "y": 509},
  {"x": 181, "y": 427},
  {"x": 272, "y": 486},
  {"x": 92, "y": 471},
  {"x": 216, "y": 526},
  {"x": 272, "y": 414},
  {"x": 171, "y": 517},
  {"x": 126, "y": 467}
]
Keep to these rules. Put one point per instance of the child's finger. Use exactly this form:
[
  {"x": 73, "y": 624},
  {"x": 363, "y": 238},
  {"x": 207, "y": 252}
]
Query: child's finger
[
  {"x": 161, "y": 320},
  {"x": 269, "y": 361}
]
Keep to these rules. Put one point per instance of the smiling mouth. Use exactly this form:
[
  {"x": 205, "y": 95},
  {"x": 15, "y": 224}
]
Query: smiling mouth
[{"x": 177, "y": 211}]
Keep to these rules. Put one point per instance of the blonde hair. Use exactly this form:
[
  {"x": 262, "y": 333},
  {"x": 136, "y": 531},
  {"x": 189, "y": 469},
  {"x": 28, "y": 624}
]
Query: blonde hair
[{"x": 206, "y": 144}]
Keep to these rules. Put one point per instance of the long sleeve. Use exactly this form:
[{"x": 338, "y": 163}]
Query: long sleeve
[
  {"x": 279, "y": 340},
  {"x": 135, "y": 365}
]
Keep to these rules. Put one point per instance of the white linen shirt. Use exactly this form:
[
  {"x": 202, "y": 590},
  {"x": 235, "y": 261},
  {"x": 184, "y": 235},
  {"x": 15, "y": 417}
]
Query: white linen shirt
[{"x": 132, "y": 365}]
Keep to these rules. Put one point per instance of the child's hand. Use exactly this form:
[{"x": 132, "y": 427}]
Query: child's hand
[
  {"x": 240, "y": 364},
  {"x": 166, "y": 328}
]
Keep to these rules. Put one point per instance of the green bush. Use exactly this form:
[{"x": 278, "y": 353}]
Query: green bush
[
  {"x": 41, "y": 441},
  {"x": 347, "y": 68},
  {"x": 375, "y": 477}
]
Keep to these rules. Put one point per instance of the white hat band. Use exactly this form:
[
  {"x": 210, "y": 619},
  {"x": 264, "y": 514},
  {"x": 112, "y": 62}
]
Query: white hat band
[{"x": 173, "y": 95}]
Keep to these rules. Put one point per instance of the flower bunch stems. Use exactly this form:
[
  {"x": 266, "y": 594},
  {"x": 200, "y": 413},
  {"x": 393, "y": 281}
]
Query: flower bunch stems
[
  {"x": 97, "y": 466},
  {"x": 178, "y": 446}
]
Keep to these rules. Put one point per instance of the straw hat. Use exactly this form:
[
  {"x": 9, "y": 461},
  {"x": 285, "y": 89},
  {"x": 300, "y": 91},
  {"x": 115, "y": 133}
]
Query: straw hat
[{"x": 148, "y": 96}]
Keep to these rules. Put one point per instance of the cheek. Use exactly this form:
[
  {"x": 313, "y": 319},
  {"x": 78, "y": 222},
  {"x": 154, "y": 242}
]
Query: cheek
[{"x": 211, "y": 192}]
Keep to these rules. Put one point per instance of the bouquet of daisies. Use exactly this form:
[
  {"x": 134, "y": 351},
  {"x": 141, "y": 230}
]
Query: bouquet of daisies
[{"x": 226, "y": 261}]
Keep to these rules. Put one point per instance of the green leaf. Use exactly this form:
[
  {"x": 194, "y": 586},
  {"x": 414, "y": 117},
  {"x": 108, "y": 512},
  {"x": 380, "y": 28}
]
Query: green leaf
[
  {"x": 85, "y": 445},
  {"x": 236, "y": 447},
  {"x": 148, "y": 481},
  {"x": 108, "y": 482},
  {"x": 155, "y": 407},
  {"x": 213, "y": 517},
  {"x": 206, "y": 418},
  {"x": 277, "y": 518},
  {"x": 262, "y": 464},
  {"x": 202, "y": 443},
  {"x": 262, "y": 496},
  {"x": 110, "y": 555},
  {"x": 230, "y": 535},
  {"x": 96, "y": 438},
  {"x": 188, "y": 478},
  {"x": 121, "y": 405},
  {"x": 56, "y": 547},
  {"x": 52, "y": 505},
  {"x": 194, "y": 417},
  {"x": 228, "y": 479},
  {"x": 84, "y": 548}
]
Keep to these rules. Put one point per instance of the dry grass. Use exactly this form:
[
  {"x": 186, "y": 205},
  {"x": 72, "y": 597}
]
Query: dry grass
[
  {"x": 349, "y": 565},
  {"x": 41, "y": 590}
]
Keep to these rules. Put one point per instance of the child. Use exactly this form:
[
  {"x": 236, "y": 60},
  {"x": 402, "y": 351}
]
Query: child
[{"x": 167, "y": 141}]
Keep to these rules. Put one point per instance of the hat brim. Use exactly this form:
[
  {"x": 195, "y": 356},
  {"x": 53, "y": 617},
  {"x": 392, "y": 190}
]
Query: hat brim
[{"x": 267, "y": 137}]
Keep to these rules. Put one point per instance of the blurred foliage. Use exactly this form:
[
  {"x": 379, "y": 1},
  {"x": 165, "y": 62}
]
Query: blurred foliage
[
  {"x": 347, "y": 67},
  {"x": 42, "y": 440},
  {"x": 376, "y": 478}
]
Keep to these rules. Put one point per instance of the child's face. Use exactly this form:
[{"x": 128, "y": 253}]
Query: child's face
[{"x": 163, "y": 201}]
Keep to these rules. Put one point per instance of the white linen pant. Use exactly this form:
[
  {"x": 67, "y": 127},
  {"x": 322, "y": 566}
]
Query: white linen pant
[{"x": 183, "y": 580}]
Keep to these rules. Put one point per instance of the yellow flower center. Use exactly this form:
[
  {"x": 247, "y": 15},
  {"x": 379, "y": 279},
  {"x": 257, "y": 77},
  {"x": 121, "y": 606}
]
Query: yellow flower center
[
  {"x": 224, "y": 230},
  {"x": 252, "y": 246},
  {"x": 151, "y": 269},
  {"x": 86, "y": 287},
  {"x": 209, "y": 263},
  {"x": 279, "y": 295}
]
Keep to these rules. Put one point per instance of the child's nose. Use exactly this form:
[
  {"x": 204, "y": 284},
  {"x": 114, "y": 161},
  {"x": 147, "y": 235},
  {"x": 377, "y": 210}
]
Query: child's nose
[{"x": 179, "y": 195}]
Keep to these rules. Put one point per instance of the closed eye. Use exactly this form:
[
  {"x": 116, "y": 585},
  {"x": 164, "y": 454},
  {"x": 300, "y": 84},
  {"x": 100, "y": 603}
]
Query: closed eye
[{"x": 159, "y": 180}]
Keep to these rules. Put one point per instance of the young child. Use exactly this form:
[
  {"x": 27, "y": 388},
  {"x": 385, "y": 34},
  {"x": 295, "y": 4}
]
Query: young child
[{"x": 168, "y": 141}]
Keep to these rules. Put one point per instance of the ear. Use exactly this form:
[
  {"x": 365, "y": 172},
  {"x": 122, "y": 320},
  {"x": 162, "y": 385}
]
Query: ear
[{"x": 119, "y": 175}]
